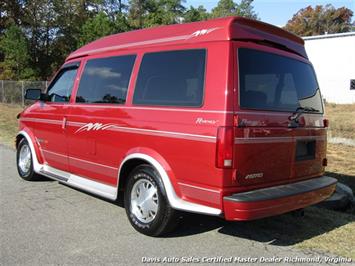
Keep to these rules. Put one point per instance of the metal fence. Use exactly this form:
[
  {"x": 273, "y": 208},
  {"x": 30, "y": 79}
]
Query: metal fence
[{"x": 13, "y": 92}]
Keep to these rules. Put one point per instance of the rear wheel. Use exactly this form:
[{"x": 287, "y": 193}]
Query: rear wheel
[
  {"x": 25, "y": 161},
  {"x": 146, "y": 205}
]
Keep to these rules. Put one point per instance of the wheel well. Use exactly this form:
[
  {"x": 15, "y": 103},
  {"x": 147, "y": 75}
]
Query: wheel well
[
  {"x": 18, "y": 139},
  {"x": 126, "y": 169}
]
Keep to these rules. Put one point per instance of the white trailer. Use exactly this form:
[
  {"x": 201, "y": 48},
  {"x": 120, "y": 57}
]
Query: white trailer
[{"x": 333, "y": 57}]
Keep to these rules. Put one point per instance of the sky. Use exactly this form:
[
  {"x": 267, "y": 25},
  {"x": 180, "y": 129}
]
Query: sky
[{"x": 278, "y": 12}]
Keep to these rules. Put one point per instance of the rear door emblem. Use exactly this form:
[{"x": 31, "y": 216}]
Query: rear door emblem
[{"x": 254, "y": 176}]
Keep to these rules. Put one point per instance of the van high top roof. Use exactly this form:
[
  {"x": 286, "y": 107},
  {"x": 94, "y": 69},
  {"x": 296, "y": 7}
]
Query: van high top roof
[{"x": 222, "y": 29}]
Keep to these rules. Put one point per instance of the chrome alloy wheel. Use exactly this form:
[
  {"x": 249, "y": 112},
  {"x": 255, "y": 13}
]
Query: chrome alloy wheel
[
  {"x": 24, "y": 161},
  {"x": 144, "y": 200}
]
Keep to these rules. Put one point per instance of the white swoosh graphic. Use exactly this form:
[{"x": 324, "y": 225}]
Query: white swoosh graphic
[{"x": 95, "y": 127}]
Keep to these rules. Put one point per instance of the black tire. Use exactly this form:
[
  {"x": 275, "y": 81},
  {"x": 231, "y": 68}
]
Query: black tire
[
  {"x": 165, "y": 218},
  {"x": 28, "y": 175}
]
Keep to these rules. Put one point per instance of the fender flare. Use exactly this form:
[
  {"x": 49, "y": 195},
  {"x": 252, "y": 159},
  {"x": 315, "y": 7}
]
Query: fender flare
[
  {"x": 34, "y": 149},
  {"x": 175, "y": 201}
]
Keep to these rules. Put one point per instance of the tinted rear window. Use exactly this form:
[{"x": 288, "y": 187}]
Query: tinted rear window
[
  {"x": 105, "y": 80},
  {"x": 272, "y": 82},
  {"x": 174, "y": 78}
]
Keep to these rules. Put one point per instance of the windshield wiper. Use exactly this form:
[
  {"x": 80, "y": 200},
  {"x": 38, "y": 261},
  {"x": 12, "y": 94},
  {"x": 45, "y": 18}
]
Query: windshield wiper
[{"x": 294, "y": 118}]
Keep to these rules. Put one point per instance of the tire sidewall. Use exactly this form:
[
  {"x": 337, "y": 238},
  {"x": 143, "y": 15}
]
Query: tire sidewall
[{"x": 147, "y": 173}]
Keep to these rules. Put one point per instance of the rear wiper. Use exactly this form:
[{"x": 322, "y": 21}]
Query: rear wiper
[
  {"x": 294, "y": 118},
  {"x": 307, "y": 109}
]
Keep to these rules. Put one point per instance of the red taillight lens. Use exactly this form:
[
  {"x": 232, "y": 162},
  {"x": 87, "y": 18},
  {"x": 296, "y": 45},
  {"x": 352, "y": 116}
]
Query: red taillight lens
[
  {"x": 326, "y": 122},
  {"x": 325, "y": 162},
  {"x": 225, "y": 143}
]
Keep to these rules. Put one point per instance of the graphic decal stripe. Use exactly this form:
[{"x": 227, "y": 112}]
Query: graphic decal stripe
[
  {"x": 201, "y": 188},
  {"x": 263, "y": 140},
  {"x": 165, "y": 134},
  {"x": 41, "y": 120},
  {"x": 277, "y": 139},
  {"x": 112, "y": 127},
  {"x": 311, "y": 137}
]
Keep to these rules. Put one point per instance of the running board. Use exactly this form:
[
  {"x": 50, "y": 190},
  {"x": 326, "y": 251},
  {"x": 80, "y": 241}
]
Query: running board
[
  {"x": 106, "y": 191},
  {"x": 53, "y": 176}
]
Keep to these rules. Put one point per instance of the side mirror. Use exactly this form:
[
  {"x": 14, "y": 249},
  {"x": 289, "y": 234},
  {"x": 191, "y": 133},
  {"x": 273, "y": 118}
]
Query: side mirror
[{"x": 33, "y": 94}]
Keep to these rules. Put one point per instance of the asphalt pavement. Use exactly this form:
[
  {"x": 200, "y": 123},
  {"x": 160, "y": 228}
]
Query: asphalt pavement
[{"x": 48, "y": 223}]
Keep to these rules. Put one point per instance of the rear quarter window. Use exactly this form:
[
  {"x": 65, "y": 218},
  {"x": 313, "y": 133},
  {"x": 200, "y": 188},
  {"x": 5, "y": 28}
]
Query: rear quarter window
[{"x": 174, "y": 78}]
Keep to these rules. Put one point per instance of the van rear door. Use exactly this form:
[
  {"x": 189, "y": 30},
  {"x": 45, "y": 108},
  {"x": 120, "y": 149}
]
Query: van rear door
[{"x": 279, "y": 117}]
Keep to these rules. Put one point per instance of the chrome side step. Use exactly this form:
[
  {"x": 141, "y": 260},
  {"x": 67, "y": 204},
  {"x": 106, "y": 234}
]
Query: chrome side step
[
  {"x": 97, "y": 188},
  {"x": 53, "y": 176}
]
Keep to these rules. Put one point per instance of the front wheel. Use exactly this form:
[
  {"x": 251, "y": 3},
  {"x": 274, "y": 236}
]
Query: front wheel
[
  {"x": 146, "y": 205},
  {"x": 24, "y": 161}
]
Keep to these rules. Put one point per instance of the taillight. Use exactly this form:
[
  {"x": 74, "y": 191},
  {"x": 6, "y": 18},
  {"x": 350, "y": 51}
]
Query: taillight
[
  {"x": 225, "y": 143},
  {"x": 325, "y": 162},
  {"x": 326, "y": 122}
]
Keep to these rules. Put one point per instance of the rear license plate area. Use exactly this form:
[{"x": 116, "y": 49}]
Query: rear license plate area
[{"x": 305, "y": 150}]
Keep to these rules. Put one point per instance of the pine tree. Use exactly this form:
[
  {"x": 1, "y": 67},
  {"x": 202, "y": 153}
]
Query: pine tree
[
  {"x": 14, "y": 46},
  {"x": 227, "y": 8}
]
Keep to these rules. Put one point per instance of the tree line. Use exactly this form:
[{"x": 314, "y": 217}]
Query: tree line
[{"x": 37, "y": 35}]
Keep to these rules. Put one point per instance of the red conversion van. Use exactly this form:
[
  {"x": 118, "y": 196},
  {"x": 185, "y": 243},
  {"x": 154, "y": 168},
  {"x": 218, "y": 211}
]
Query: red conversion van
[{"x": 222, "y": 117}]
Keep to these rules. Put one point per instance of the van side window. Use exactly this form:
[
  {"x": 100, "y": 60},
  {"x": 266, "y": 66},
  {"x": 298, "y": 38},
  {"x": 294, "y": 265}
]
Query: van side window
[
  {"x": 174, "y": 78},
  {"x": 105, "y": 80},
  {"x": 61, "y": 88}
]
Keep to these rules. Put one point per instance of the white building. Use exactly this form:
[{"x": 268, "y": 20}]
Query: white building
[{"x": 333, "y": 57}]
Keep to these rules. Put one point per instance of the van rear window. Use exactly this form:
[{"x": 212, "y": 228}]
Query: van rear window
[
  {"x": 174, "y": 78},
  {"x": 272, "y": 82}
]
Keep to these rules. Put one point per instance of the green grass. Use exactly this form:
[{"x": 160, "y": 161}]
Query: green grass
[
  {"x": 341, "y": 163},
  {"x": 341, "y": 120},
  {"x": 8, "y": 123},
  {"x": 320, "y": 229},
  {"x": 333, "y": 232}
]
